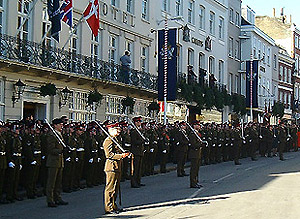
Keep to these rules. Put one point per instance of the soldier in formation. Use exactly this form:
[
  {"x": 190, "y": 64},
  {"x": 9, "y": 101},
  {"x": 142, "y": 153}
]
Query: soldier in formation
[{"x": 29, "y": 152}]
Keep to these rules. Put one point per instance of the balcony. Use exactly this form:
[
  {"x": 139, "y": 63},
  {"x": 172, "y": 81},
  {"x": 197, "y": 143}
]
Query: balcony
[{"x": 13, "y": 49}]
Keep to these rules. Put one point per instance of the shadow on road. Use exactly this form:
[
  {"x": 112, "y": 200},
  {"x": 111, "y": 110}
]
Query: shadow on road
[{"x": 175, "y": 203}]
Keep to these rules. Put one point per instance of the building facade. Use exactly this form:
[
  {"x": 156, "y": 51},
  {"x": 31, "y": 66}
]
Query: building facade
[
  {"x": 285, "y": 83},
  {"x": 80, "y": 61},
  {"x": 202, "y": 42},
  {"x": 286, "y": 35},
  {"x": 257, "y": 45}
]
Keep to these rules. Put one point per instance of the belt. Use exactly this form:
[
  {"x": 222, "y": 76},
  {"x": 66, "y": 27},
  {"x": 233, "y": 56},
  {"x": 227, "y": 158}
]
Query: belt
[
  {"x": 2, "y": 153},
  {"x": 95, "y": 151},
  {"x": 17, "y": 154},
  {"x": 37, "y": 152},
  {"x": 127, "y": 145},
  {"x": 80, "y": 149}
]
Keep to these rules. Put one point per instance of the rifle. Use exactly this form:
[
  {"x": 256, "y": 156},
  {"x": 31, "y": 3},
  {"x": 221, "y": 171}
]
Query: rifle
[
  {"x": 138, "y": 131},
  {"x": 108, "y": 135},
  {"x": 119, "y": 146},
  {"x": 57, "y": 136},
  {"x": 184, "y": 134},
  {"x": 193, "y": 130}
]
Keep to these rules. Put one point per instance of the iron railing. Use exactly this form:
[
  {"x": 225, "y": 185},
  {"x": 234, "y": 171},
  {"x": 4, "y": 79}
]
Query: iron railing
[{"x": 23, "y": 51}]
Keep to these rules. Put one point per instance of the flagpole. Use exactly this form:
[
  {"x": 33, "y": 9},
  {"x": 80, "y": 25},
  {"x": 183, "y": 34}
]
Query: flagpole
[
  {"x": 45, "y": 35},
  {"x": 74, "y": 30},
  {"x": 26, "y": 18}
]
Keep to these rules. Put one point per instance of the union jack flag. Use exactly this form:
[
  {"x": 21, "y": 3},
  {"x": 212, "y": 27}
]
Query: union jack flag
[{"x": 66, "y": 12}]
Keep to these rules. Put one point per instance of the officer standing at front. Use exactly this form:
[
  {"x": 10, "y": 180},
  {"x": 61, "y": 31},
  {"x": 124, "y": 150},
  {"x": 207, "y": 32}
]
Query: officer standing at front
[
  {"x": 55, "y": 164},
  {"x": 195, "y": 155},
  {"x": 113, "y": 169}
]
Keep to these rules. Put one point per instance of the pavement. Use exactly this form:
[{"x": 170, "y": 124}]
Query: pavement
[{"x": 263, "y": 189}]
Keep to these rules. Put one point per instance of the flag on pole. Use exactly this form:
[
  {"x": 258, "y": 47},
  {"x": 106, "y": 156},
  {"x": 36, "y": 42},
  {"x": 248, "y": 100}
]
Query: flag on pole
[
  {"x": 54, "y": 17},
  {"x": 91, "y": 15},
  {"x": 66, "y": 12}
]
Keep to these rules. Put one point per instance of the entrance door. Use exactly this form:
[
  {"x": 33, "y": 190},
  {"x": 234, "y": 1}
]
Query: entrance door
[{"x": 35, "y": 110}]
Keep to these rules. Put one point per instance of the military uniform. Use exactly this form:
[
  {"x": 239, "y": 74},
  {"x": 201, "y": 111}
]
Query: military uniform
[
  {"x": 14, "y": 159},
  {"x": 237, "y": 145},
  {"x": 69, "y": 162},
  {"x": 113, "y": 172},
  {"x": 153, "y": 148},
  {"x": 182, "y": 149},
  {"x": 164, "y": 149},
  {"x": 79, "y": 160},
  {"x": 126, "y": 144},
  {"x": 137, "y": 148},
  {"x": 33, "y": 155},
  {"x": 55, "y": 165},
  {"x": 91, "y": 157},
  {"x": 195, "y": 157},
  {"x": 3, "y": 163},
  {"x": 281, "y": 141}
]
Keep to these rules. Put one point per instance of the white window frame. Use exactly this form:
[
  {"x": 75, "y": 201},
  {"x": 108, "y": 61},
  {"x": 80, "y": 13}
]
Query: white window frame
[
  {"x": 230, "y": 47},
  {"x": 221, "y": 28},
  {"x": 144, "y": 58},
  {"x": 129, "y": 46},
  {"x": 166, "y": 5},
  {"x": 3, "y": 17},
  {"x": 296, "y": 41},
  {"x": 211, "y": 65},
  {"x": 130, "y": 6},
  {"x": 191, "y": 11},
  {"x": 115, "y": 3},
  {"x": 231, "y": 14},
  {"x": 212, "y": 21},
  {"x": 237, "y": 19},
  {"x": 191, "y": 56},
  {"x": 78, "y": 110},
  {"x": 145, "y": 10},
  {"x": 221, "y": 71},
  {"x": 202, "y": 17},
  {"x": 23, "y": 9},
  {"x": 178, "y": 7},
  {"x": 202, "y": 60},
  {"x": 95, "y": 47},
  {"x": 112, "y": 51}
]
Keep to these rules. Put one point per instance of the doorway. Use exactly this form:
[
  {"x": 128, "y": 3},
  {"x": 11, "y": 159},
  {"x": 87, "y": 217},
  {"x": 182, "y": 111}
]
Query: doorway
[{"x": 35, "y": 110}]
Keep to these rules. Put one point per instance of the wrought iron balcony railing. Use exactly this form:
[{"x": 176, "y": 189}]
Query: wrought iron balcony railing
[{"x": 23, "y": 51}]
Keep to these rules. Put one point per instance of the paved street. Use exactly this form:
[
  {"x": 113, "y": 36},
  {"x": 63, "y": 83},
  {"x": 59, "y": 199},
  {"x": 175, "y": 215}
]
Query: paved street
[{"x": 267, "y": 188}]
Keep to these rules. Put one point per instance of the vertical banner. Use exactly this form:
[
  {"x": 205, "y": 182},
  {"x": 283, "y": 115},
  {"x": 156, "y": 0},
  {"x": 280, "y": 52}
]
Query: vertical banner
[
  {"x": 172, "y": 65},
  {"x": 54, "y": 17},
  {"x": 254, "y": 83}
]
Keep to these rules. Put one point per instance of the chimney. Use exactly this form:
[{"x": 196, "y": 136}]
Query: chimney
[
  {"x": 290, "y": 18},
  {"x": 274, "y": 12},
  {"x": 281, "y": 12}
]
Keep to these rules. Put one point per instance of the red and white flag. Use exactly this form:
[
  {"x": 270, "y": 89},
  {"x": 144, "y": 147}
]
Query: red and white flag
[{"x": 91, "y": 15}]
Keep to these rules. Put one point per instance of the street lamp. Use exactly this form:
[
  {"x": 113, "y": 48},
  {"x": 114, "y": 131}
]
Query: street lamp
[
  {"x": 166, "y": 30},
  {"x": 18, "y": 91},
  {"x": 64, "y": 96}
]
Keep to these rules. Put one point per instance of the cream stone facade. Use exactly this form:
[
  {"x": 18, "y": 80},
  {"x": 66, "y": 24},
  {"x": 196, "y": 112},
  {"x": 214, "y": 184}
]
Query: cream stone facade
[{"x": 86, "y": 64}]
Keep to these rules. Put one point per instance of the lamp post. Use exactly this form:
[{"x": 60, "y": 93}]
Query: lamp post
[
  {"x": 64, "y": 97},
  {"x": 19, "y": 87}
]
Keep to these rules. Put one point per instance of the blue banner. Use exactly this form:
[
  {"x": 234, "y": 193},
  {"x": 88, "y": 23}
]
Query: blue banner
[
  {"x": 172, "y": 65},
  {"x": 54, "y": 17},
  {"x": 254, "y": 83}
]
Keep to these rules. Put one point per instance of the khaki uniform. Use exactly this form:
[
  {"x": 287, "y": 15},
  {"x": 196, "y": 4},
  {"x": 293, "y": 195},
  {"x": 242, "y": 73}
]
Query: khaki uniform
[
  {"x": 195, "y": 157},
  {"x": 55, "y": 164},
  {"x": 113, "y": 172}
]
